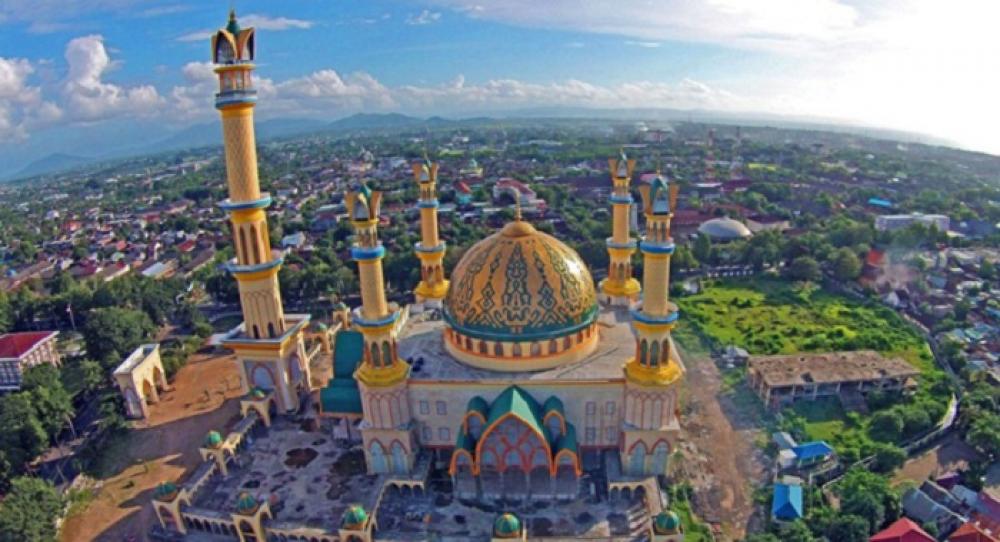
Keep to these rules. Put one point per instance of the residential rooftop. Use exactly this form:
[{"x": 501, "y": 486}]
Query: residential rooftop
[{"x": 828, "y": 368}]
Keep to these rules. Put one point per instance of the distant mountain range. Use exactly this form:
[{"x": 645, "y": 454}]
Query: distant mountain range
[{"x": 210, "y": 133}]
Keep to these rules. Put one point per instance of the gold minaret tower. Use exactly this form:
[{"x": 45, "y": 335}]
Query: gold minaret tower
[
  {"x": 653, "y": 376},
  {"x": 620, "y": 288},
  {"x": 269, "y": 349},
  {"x": 382, "y": 375},
  {"x": 433, "y": 286}
]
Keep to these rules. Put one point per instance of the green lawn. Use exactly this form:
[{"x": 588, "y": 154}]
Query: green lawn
[{"x": 770, "y": 316}]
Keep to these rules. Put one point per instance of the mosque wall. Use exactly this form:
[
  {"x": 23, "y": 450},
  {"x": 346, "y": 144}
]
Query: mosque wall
[{"x": 596, "y": 409}]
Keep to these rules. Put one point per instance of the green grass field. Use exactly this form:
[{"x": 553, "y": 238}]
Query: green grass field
[{"x": 770, "y": 316}]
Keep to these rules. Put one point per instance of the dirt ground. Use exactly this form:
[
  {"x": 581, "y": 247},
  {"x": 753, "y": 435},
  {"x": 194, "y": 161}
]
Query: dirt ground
[
  {"x": 721, "y": 458},
  {"x": 164, "y": 447},
  {"x": 948, "y": 455}
]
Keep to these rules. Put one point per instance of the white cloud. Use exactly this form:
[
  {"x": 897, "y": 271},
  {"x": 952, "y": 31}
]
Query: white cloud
[
  {"x": 21, "y": 104},
  {"x": 88, "y": 97},
  {"x": 424, "y": 17},
  {"x": 261, "y": 22}
]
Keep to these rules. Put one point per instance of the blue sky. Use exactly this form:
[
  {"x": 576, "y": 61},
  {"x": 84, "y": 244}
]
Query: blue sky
[{"x": 83, "y": 70}]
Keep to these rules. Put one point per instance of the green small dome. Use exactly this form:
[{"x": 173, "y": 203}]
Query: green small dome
[
  {"x": 246, "y": 504},
  {"x": 213, "y": 439},
  {"x": 165, "y": 491},
  {"x": 318, "y": 326},
  {"x": 354, "y": 517},
  {"x": 507, "y": 526},
  {"x": 258, "y": 393},
  {"x": 340, "y": 306},
  {"x": 667, "y": 522}
]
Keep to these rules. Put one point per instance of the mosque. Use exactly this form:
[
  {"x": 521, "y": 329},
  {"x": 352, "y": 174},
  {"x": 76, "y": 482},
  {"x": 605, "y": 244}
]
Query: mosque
[{"x": 507, "y": 374}]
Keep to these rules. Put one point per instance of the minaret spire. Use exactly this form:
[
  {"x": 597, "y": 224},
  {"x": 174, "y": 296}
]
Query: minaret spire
[
  {"x": 265, "y": 326},
  {"x": 431, "y": 249},
  {"x": 620, "y": 288}
]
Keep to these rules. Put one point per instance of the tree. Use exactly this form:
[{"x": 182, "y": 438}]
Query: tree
[
  {"x": 848, "y": 528},
  {"x": 6, "y": 313},
  {"x": 805, "y": 268},
  {"x": 112, "y": 333},
  {"x": 29, "y": 511},
  {"x": 53, "y": 404},
  {"x": 846, "y": 265},
  {"x": 796, "y": 531},
  {"x": 888, "y": 457},
  {"x": 702, "y": 248},
  {"x": 886, "y": 425},
  {"x": 984, "y": 433},
  {"x": 762, "y": 537},
  {"x": 23, "y": 436}
]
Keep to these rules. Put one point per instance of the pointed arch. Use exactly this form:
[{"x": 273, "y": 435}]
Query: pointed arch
[{"x": 654, "y": 354}]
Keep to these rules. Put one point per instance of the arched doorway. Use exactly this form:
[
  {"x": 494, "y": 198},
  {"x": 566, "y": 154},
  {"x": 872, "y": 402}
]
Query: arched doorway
[
  {"x": 399, "y": 465},
  {"x": 376, "y": 454},
  {"x": 637, "y": 460},
  {"x": 660, "y": 454}
]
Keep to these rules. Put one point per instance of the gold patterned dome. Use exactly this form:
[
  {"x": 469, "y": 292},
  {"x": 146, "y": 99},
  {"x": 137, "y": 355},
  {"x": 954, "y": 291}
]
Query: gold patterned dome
[{"x": 521, "y": 286}]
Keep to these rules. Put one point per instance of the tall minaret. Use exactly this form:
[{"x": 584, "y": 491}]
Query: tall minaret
[
  {"x": 620, "y": 288},
  {"x": 382, "y": 376},
  {"x": 433, "y": 286},
  {"x": 265, "y": 327},
  {"x": 653, "y": 375}
]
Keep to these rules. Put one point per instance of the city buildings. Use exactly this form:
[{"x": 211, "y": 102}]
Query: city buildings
[
  {"x": 898, "y": 222},
  {"x": 21, "y": 351}
]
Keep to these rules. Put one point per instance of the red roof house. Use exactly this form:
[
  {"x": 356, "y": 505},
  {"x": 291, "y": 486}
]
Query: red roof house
[
  {"x": 903, "y": 530},
  {"x": 970, "y": 532}
]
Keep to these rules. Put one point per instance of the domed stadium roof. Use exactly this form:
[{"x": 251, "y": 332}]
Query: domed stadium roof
[
  {"x": 507, "y": 526},
  {"x": 354, "y": 517},
  {"x": 520, "y": 285},
  {"x": 724, "y": 228},
  {"x": 666, "y": 522}
]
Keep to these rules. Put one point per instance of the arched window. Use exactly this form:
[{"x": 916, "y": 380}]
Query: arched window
[
  {"x": 256, "y": 332},
  {"x": 482, "y": 348},
  {"x": 567, "y": 342},
  {"x": 516, "y": 350},
  {"x": 468, "y": 344},
  {"x": 665, "y": 352},
  {"x": 643, "y": 352},
  {"x": 243, "y": 243},
  {"x": 497, "y": 349},
  {"x": 654, "y": 355},
  {"x": 377, "y": 457},
  {"x": 270, "y": 329},
  {"x": 386, "y": 354},
  {"x": 255, "y": 243},
  {"x": 553, "y": 346},
  {"x": 536, "y": 350},
  {"x": 374, "y": 355}
]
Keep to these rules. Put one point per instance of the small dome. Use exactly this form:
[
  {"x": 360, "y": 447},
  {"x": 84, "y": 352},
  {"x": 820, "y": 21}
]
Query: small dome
[
  {"x": 165, "y": 491},
  {"x": 667, "y": 522},
  {"x": 724, "y": 229},
  {"x": 213, "y": 439},
  {"x": 246, "y": 504},
  {"x": 354, "y": 517},
  {"x": 507, "y": 526},
  {"x": 258, "y": 393},
  {"x": 318, "y": 326}
]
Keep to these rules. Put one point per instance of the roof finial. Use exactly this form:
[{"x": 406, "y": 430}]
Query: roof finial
[{"x": 517, "y": 205}]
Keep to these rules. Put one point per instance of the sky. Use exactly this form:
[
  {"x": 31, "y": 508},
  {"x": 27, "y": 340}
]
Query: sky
[{"x": 87, "y": 76}]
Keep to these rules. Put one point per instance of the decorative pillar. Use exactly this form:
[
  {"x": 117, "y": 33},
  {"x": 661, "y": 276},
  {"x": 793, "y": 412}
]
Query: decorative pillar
[
  {"x": 382, "y": 376},
  {"x": 620, "y": 288},
  {"x": 269, "y": 339},
  {"x": 654, "y": 373},
  {"x": 433, "y": 286}
]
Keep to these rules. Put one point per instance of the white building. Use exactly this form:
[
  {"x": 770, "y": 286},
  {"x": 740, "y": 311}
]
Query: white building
[{"x": 898, "y": 222}]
